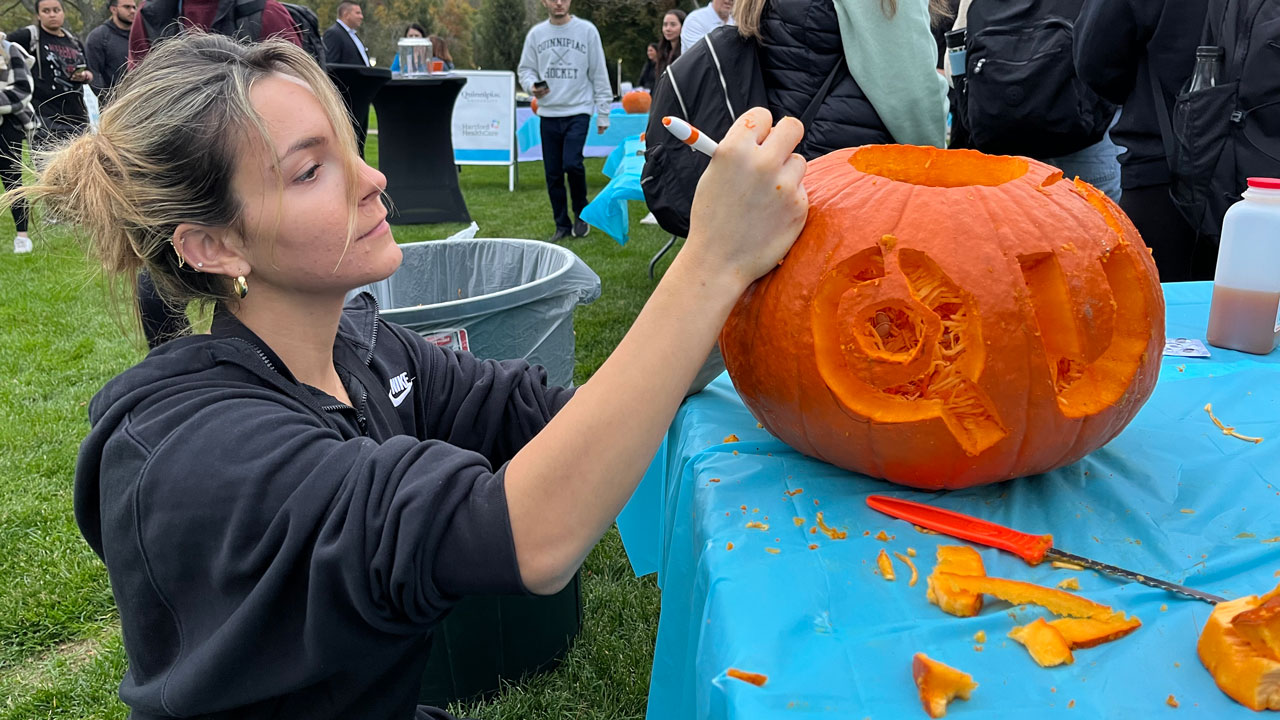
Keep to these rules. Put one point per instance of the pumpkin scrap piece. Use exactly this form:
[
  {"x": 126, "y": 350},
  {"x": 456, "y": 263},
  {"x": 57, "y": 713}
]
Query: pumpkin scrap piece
[
  {"x": 1046, "y": 645},
  {"x": 757, "y": 525},
  {"x": 798, "y": 521},
  {"x": 1060, "y": 565},
  {"x": 1020, "y": 593},
  {"x": 886, "y": 565},
  {"x": 1087, "y": 632},
  {"x": 1261, "y": 626},
  {"x": 1171, "y": 701},
  {"x": 728, "y": 546},
  {"x": 1249, "y": 677},
  {"x": 939, "y": 684},
  {"x": 756, "y": 679},
  {"x": 1070, "y": 584},
  {"x": 956, "y": 560},
  {"x": 980, "y": 636},
  {"x": 731, "y": 438},
  {"x": 915, "y": 574},
  {"x": 1208, "y": 407},
  {"x": 882, "y": 536},
  {"x": 773, "y": 550},
  {"x": 831, "y": 532},
  {"x": 793, "y": 493}
]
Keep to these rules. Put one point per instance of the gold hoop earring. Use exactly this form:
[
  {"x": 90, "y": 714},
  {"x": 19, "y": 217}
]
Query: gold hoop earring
[{"x": 242, "y": 287}]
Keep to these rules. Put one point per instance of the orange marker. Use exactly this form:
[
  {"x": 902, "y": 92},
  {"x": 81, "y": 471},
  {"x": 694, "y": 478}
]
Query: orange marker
[{"x": 689, "y": 135}]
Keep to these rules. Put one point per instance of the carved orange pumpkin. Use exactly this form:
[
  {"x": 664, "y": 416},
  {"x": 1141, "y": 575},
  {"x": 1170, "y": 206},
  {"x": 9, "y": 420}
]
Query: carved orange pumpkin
[
  {"x": 636, "y": 102},
  {"x": 948, "y": 319}
]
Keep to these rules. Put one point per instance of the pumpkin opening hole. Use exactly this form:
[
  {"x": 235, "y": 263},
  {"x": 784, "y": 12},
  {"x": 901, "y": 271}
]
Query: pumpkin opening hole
[
  {"x": 893, "y": 330},
  {"x": 932, "y": 167}
]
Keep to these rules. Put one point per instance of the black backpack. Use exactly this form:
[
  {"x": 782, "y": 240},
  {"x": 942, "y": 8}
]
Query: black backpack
[
  {"x": 308, "y": 27},
  {"x": 239, "y": 19},
  {"x": 1221, "y": 136},
  {"x": 1020, "y": 94},
  {"x": 709, "y": 85}
]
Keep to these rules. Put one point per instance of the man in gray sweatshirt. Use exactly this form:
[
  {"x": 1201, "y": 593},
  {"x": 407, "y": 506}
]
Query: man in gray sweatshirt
[{"x": 563, "y": 66}]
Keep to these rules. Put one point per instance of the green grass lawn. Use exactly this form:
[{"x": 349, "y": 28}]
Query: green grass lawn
[{"x": 61, "y": 338}]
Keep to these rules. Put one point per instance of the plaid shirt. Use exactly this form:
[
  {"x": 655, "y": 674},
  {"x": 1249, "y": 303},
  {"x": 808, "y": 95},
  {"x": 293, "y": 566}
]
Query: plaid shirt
[{"x": 16, "y": 86}]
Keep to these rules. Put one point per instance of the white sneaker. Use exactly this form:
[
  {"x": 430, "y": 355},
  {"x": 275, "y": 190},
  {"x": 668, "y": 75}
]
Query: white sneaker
[
  {"x": 649, "y": 220},
  {"x": 21, "y": 244}
]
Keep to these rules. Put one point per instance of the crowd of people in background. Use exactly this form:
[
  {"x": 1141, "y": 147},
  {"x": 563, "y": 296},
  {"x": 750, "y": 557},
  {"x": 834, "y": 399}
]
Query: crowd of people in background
[{"x": 878, "y": 64}]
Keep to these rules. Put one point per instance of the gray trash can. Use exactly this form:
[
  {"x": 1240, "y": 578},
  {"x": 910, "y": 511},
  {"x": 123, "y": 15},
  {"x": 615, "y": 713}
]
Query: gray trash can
[
  {"x": 494, "y": 297},
  {"x": 497, "y": 298}
]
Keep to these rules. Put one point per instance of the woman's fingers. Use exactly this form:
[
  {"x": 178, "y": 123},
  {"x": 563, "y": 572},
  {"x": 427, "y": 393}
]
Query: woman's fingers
[
  {"x": 784, "y": 137},
  {"x": 754, "y": 124}
]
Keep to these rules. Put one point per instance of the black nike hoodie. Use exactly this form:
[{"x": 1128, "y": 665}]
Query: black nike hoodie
[{"x": 277, "y": 554}]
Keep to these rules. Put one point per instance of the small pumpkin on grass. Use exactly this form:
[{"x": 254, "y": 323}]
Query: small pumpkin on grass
[{"x": 949, "y": 318}]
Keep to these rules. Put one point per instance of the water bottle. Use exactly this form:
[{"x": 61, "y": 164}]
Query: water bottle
[
  {"x": 1207, "y": 69},
  {"x": 1245, "y": 312},
  {"x": 415, "y": 56}
]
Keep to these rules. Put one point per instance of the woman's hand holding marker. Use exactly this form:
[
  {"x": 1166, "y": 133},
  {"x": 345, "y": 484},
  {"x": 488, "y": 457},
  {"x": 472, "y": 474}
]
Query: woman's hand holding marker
[
  {"x": 751, "y": 203},
  {"x": 690, "y": 135}
]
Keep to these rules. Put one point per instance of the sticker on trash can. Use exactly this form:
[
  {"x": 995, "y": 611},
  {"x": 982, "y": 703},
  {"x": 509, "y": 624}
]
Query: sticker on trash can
[{"x": 451, "y": 339}]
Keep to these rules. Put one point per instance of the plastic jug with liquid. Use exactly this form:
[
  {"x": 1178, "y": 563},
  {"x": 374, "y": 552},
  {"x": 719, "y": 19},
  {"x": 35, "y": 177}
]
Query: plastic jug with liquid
[{"x": 1245, "y": 312}]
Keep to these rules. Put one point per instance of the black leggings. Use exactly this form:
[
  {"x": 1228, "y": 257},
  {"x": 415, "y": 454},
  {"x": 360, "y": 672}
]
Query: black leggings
[
  {"x": 11, "y": 137},
  {"x": 1181, "y": 254}
]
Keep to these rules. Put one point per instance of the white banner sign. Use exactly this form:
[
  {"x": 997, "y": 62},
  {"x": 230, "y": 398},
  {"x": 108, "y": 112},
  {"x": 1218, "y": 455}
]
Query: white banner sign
[{"x": 484, "y": 119}]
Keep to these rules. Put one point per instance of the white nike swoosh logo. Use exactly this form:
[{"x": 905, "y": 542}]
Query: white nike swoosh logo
[{"x": 397, "y": 399}]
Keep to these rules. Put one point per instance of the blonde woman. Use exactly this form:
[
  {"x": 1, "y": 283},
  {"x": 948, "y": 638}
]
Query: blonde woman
[
  {"x": 888, "y": 90},
  {"x": 281, "y": 531}
]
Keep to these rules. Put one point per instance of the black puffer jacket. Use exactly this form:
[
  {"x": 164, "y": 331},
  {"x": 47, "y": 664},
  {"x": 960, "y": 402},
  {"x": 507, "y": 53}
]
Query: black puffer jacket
[{"x": 800, "y": 44}]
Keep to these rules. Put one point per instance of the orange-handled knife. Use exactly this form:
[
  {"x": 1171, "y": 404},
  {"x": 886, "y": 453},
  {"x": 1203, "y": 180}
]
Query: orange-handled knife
[{"x": 1032, "y": 548}]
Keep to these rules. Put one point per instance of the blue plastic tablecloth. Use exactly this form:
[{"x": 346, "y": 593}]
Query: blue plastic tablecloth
[
  {"x": 621, "y": 126},
  {"x": 608, "y": 210},
  {"x": 1171, "y": 497}
]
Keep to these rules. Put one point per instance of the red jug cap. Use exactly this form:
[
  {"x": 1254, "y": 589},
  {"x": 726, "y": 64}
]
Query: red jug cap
[{"x": 1265, "y": 183}]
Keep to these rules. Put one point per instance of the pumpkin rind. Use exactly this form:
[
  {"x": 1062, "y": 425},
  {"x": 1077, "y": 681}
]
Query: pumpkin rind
[
  {"x": 1046, "y": 645},
  {"x": 955, "y": 560},
  {"x": 948, "y": 319},
  {"x": 1260, "y": 626},
  {"x": 1016, "y": 592},
  {"x": 1088, "y": 632},
  {"x": 939, "y": 684},
  {"x": 1247, "y": 676}
]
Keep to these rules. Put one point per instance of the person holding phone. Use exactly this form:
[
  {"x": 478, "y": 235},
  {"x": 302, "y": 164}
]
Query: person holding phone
[
  {"x": 60, "y": 74},
  {"x": 563, "y": 66}
]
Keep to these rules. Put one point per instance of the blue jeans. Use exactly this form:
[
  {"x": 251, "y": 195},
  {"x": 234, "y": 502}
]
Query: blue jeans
[
  {"x": 1096, "y": 165},
  {"x": 562, "y": 141}
]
